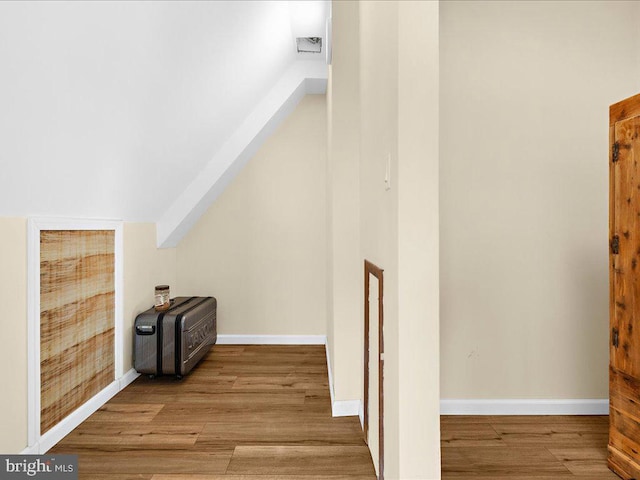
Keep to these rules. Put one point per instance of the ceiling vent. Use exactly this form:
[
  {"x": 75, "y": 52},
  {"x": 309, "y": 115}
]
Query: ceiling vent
[{"x": 309, "y": 44}]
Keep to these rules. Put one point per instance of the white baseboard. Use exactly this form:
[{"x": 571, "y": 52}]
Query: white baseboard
[
  {"x": 525, "y": 407},
  {"x": 271, "y": 340},
  {"x": 128, "y": 378},
  {"x": 341, "y": 408},
  {"x": 62, "y": 429},
  {"x": 33, "y": 450},
  {"x": 329, "y": 372},
  {"x": 345, "y": 408}
]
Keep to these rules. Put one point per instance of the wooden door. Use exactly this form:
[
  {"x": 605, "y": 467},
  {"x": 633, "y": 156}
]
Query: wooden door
[{"x": 624, "y": 271}]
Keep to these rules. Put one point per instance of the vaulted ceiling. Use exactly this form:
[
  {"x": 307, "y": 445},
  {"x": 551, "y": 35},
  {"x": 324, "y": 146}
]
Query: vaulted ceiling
[{"x": 136, "y": 110}]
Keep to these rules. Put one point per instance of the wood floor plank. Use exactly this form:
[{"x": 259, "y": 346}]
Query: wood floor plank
[
  {"x": 570, "y": 454},
  {"x": 283, "y": 460},
  {"x": 340, "y": 431},
  {"x": 249, "y": 369},
  {"x": 264, "y": 413},
  {"x": 565, "y": 433},
  {"x": 545, "y": 428},
  {"x": 568, "y": 476},
  {"x": 584, "y": 461},
  {"x": 580, "y": 468},
  {"x": 126, "y": 412},
  {"x": 236, "y": 402},
  {"x": 475, "y": 434},
  {"x": 291, "y": 381},
  {"x": 226, "y": 351},
  {"x": 446, "y": 420},
  {"x": 550, "y": 419},
  {"x": 496, "y": 461},
  {"x": 318, "y": 400},
  {"x": 525, "y": 447},
  {"x": 115, "y": 476},
  {"x": 152, "y": 462},
  {"x": 271, "y": 358},
  {"x": 263, "y": 477},
  {"x": 226, "y": 399},
  {"x": 317, "y": 351},
  {"x": 131, "y": 436},
  {"x": 184, "y": 412},
  {"x": 124, "y": 449},
  {"x": 189, "y": 384},
  {"x": 556, "y": 440}
]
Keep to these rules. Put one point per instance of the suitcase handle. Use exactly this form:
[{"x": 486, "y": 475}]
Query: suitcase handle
[{"x": 145, "y": 329}]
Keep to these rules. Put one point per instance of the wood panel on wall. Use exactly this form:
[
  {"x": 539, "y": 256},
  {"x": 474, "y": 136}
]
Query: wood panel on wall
[{"x": 77, "y": 319}]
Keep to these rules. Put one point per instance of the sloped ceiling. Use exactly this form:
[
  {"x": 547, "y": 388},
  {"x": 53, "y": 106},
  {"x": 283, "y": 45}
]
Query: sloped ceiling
[{"x": 112, "y": 109}]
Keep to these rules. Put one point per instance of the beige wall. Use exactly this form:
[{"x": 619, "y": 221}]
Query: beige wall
[
  {"x": 379, "y": 207},
  {"x": 13, "y": 354},
  {"x": 344, "y": 293},
  {"x": 418, "y": 240},
  {"x": 398, "y": 227},
  {"x": 260, "y": 249},
  {"x": 145, "y": 266},
  {"x": 523, "y": 179}
]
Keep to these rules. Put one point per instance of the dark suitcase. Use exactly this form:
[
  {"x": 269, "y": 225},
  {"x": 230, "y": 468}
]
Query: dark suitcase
[{"x": 173, "y": 341}]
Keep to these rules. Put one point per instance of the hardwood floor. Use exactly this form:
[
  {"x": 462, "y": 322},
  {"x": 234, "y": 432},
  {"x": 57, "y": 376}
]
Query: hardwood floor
[
  {"x": 525, "y": 448},
  {"x": 244, "y": 413}
]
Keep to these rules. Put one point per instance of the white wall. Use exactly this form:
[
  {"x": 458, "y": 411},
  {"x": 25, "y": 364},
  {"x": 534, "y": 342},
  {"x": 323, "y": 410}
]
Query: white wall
[
  {"x": 260, "y": 249},
  {"x": 123, "y": 103},
  {"x": 13, "y": 321},
  {"x": 525, "y": 90}
]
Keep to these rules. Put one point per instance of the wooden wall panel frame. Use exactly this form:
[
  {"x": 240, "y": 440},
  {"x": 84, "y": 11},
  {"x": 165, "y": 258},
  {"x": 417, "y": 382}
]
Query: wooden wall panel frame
[
  {"x": 372, "y": 269},
  {"x": 38, "y": 443}
]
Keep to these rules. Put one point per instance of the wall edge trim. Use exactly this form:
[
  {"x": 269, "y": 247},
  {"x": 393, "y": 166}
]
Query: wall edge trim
[
  {"x": 303, "y": 77},
  {"x": 341, "y": 408},
  {"x": 524, "y": 407},
  {"x": 329, "y": 373}
]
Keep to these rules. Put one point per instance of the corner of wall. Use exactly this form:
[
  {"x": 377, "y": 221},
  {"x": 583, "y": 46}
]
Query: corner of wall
[{"x": 145, "y": 265}]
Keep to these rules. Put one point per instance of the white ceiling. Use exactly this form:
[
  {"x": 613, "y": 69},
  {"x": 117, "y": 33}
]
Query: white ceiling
[{"x": 111, "y": 109}]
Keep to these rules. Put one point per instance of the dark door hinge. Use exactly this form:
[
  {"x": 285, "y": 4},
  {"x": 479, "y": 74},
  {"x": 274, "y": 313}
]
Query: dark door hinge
[
  {"x": 614, "y": 337},
  {"x": 615, "y": 245},
  {"x": 615, "y": 152}
]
